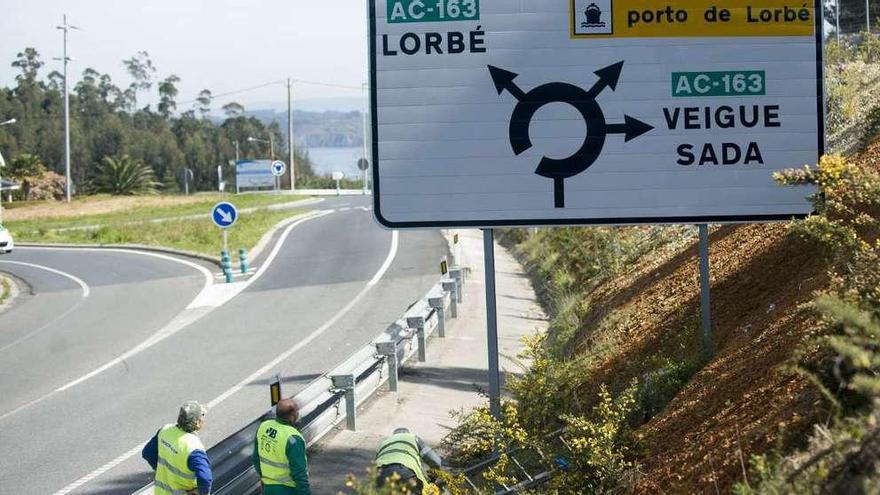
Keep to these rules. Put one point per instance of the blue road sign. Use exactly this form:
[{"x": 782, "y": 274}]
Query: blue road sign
[
  {"x": 224, "y": 214},
  {"x": 278, "y": 168}
]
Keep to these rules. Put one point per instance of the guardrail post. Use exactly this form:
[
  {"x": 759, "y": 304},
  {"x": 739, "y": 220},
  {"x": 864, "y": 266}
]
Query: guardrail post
[
  {"x": 450, "y": 286},
  {"x": 438, "y": 303},
  {"x": 389, "y": 351},
  {"x": 458, "y": 275},
  {"x": 418, "y": 323},
  {"x": 346, "y": 383}
]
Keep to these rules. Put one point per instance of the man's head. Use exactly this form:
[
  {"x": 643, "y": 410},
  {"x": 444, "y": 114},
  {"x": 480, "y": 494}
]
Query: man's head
[
  {"x": 191, "y": 417},
  {"x": 287, "y": 410}
]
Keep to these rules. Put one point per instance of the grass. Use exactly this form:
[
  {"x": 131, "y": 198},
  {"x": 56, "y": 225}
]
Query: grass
[
  {"x": 193, "y": 235},
  {"x": 25, "y": 218},
  {"x": 5, "y": 289}
]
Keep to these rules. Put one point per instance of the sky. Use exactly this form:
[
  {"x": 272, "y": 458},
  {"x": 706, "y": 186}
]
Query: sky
[{"x": 221, "y": 45}]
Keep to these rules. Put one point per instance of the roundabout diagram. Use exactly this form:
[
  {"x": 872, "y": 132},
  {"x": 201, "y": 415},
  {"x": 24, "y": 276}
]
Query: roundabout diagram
[{"x": 584, "y": 101}]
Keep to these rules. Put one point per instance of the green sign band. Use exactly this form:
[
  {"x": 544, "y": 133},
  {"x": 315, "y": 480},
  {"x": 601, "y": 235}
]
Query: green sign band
[
  {"x": 725, "y": 83},
  {"x": 400, "y": 11}
]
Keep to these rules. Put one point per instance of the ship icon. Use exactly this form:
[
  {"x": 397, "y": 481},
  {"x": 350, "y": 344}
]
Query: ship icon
[{"x": 593, "y": 15}]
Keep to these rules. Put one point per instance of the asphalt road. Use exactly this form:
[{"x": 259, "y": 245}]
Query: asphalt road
[{"x": 86, "y": 439}]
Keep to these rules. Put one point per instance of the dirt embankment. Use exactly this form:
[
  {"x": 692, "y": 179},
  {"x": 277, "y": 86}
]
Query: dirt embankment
[{"x": 746, "y": 399}]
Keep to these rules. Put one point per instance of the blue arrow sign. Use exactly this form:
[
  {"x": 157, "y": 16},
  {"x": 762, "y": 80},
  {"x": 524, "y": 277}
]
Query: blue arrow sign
[
  {"x": 224, "y": 214},
  {"x": 278, "y": 168}
]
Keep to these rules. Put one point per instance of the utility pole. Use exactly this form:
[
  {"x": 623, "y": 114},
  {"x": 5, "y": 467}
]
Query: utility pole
[
  {"x": 290, "y": 154},
  {"x": 868, "y": 14},
  {"x": 67, "y": 182},
  {"x": 837, "y": 20}
]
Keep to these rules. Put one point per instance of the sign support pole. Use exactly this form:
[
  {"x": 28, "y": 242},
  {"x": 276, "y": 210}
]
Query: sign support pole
[
  {"x": 492, "y": 323},
  {"x": 705, "y": 293},
  {"x": 225, "y": 240}
]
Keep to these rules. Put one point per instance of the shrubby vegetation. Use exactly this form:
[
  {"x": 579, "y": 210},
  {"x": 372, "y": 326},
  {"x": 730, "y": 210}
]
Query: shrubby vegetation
[
  {"x": 843, "y": 456},
  {"x": 111, "y": 121}
]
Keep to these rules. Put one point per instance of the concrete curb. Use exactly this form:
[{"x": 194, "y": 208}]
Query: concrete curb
[
  {"x": 132, "y": 247},
  {"x": 13, "y": 292}
]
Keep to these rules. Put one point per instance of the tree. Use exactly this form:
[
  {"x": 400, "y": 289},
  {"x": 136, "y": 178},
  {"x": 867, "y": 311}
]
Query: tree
[
  {"x": 141, "y": 69},
  {"x": 233, "y": 109},
  {"x": 25, "y": 165},
  {"x": 204, "y": 102},
  {"x": 29, "y": 63},
  {"x": 167, "y": 94},
  {"x": 124, "y": 176},
  {"x": 852, "y": 15}
]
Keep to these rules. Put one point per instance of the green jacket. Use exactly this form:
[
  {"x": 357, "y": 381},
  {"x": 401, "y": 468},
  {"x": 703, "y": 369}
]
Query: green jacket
[{"x": 296, "y": 457}]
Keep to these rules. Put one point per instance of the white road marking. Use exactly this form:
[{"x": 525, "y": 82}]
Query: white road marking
[
  {"x": 392, "y": 253},
  {"x": 98, "y": 472},
  {"x": 85, "y": 288},
  {"x": 85, "y": 293}
]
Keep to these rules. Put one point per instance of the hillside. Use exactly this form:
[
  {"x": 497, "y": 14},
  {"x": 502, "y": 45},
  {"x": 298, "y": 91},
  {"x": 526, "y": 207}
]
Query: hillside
[{"x": 623, "y": 371}]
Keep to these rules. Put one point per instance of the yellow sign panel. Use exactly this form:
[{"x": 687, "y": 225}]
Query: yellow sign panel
[{"x": 690, "y": 18}]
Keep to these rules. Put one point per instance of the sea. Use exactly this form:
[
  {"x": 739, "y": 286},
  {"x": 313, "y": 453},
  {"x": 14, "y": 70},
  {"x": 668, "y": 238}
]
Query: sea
[{"x": 325, "y": 161}]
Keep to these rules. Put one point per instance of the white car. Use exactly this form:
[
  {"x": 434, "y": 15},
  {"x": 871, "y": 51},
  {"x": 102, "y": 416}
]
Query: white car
[{"x": 6, "y": 243}]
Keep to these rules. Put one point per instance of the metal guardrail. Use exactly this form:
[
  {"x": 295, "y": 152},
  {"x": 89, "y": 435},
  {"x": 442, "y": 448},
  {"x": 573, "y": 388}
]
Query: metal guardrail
[{"x": 333, "y": 398}]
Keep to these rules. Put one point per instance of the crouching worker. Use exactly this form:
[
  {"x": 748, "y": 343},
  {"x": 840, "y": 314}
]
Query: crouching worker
[
  {"x": 178, "y": 456},
  {"x": 280, "y": 453},
  {"x": 402, "y": 454}
]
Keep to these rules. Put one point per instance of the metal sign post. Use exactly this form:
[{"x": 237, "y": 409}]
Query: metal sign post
[
  {"x": 279, "y": 168},
  {"x": 492, "y": 323},
  {"x": 363, "y": 165},
  {"x": 705, "y": 293},
  {"x": 224, "y": 215}
]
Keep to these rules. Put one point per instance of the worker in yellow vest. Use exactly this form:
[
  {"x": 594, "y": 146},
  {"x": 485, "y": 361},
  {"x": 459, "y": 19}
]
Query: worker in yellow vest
[
  {"x": 280, "y": 453},
  {"x": 178, "y": 456},
  {"x": 402, "y": 454}
]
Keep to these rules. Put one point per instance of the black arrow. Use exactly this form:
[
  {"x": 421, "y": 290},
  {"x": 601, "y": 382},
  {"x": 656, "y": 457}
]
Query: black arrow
[
  {"x": 503, "y": 80},
  {"x": 608, "y": 78},
  {"x": 631, "y": 127}
]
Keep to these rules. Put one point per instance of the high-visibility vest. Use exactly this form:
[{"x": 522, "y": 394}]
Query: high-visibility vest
[
  {"x": 173, "y": 475},
  {"x": 403, "y": 449},
  {"x": 272, "y": 439}
]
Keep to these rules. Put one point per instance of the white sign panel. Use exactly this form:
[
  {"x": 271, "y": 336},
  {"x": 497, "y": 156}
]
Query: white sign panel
[
  {"x": 254, "y": 174},
  {"x": 543, "y": 112}
]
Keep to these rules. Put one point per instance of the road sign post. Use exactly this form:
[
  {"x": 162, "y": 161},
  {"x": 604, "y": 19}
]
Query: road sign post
[
  {"x": 492, "y": 323},
  {"x": 363, "y": 164},
  {"x": 338, "y": 176},
  {"x": 705, "y": 293},
  {"x": 278, "y": 170},
  {"x": 224, "y": 215}
]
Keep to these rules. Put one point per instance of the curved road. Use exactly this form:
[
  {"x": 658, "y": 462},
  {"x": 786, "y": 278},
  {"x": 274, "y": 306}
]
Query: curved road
[{"x": 329, "y": 290}]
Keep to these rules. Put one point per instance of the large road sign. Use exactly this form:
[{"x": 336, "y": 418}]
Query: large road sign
[
  {"x": 254, "y": 174},
  {"x": 493, "y": 112},
  {"x": 224, "y": 214}
]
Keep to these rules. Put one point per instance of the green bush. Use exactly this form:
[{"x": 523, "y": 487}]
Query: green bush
[
  {"x": 123, "y": 176},
  {"x": 658, "y": 387}
]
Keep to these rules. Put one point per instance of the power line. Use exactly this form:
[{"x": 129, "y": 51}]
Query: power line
[{"x": 272, "y": 83}]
